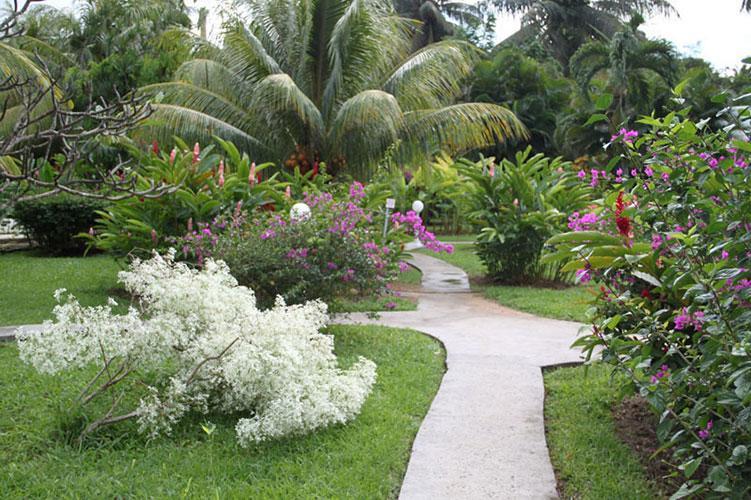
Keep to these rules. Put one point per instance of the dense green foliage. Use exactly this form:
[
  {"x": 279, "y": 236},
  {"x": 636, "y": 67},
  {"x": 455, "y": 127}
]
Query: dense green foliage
[
  {"x": 110, "y": 47},
  {"x": 341, "y": 87},
  {"x": 535, "y": 90},
  {"x": 206, "y": 183},
  {"x": 669, "y": 243},
  {"x": 518, "y": 205},
  {"x": 365, "y": 459},
  {"x": 54, "y": 222}
]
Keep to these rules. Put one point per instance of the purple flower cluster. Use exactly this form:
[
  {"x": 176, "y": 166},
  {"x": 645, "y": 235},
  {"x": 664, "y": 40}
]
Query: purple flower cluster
[
  {"x": 663, "y": 372},
  {"x": 684, "y": 320},
  {"x": 356, "y": 192},
  {"x": 627, "y": 135},
  {"x": 587, "y": 222},
  {"x": 706, "y": 431},
  {"x": 428, "y": 239}
]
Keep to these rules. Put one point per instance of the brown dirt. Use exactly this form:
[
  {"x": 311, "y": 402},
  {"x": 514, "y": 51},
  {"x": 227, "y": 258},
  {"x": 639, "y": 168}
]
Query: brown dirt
[{"x": 636, "y": 425}]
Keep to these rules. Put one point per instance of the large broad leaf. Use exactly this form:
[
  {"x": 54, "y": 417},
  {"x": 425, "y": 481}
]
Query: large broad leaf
[{"x": 577, "y": 237}]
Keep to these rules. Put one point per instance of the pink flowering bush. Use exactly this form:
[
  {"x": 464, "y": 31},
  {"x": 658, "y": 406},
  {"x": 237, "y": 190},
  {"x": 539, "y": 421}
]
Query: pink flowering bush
[
  {"x": 338, "y": 250},
  {"x": 670, "y": 245}
]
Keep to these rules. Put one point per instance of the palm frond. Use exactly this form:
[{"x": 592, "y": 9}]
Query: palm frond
[
  {"x": 590, "y": 59},
  {"x": 623, "y": 8},
  {"x": 214, "y": 77},
  {"x": 280, "y": 102},
  {"x": 204, "y": 101},
  {"x": 459, "y": 129},
  {"x": 246, "y": 56},
  {"x": 365, "y": 126},
  {"x": 365, "y": 43},
  {"x": 169, "y": 121},
  {"x": 432, "y": 76}
]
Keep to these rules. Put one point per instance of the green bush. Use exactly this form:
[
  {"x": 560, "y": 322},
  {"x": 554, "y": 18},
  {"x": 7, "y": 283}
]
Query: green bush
[
  {"x": 54, "y": 222},
  {"x": 515, "y": 207}
]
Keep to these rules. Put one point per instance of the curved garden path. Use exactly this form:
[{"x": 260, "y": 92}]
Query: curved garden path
[{"x": 484, "y": 435}]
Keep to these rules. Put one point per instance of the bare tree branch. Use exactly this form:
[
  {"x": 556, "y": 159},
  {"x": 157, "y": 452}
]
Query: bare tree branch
[{"x": 50, "y": 139}]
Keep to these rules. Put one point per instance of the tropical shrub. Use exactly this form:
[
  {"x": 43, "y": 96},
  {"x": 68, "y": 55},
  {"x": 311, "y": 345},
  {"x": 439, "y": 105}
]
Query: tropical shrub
[
  {"x": 197, "y": 343},
  {"x": 205, "y": 184},
  {"x": 669, "y": 243},
  {"x": 334, "y": 250},
  {"x": 515, "y": 207},
  {"x": 54, "y": 222}
]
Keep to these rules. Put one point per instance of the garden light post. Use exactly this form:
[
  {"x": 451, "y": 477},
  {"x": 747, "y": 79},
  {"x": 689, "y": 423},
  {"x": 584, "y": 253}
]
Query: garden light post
[
  {"x": 390, "y": 204},
  {"x": 417, "y": 207}
]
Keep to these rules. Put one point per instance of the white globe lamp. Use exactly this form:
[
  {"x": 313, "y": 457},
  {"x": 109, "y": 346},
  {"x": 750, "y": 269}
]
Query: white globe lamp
[
  {"x": 418, "y": 206},
  {"x": 299, "y": 211}
]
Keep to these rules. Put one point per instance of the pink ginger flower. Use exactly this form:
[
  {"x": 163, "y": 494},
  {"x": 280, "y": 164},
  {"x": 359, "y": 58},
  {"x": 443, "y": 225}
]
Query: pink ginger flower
[
  {"x": 491, "y": 170},
  {"x": 172, "y": 156},
  {"x": 196, "y": 153},
  {"x": 221, "y": 173},
  {"x": 252, "y": 174},
  {"x": 288, "y": 192}
]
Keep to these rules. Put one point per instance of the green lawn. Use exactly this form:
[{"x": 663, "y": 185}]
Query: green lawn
[
  {"x": 586, "y": 453},
  {"x": 29, "y": 281},
  {"x": 570, "y": 303},
  {"x": 365, "y": 459}
]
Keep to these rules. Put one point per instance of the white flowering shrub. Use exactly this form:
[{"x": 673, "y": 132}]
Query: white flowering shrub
[{"x": 211, "y": 349}]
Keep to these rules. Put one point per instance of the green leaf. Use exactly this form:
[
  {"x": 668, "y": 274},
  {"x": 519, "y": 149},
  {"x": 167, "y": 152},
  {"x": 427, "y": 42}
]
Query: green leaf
[
  {"x": 596, "y": 118},
  {"x": 647, "y": 277},
  {"x": 690, "y": 467},
  {"x": 603, "y": 102}
]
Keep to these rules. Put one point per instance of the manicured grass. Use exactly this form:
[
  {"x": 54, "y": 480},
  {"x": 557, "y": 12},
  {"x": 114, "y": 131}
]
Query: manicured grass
[
  {"x": 588, "y": 456},
  {"x": 410, "y": 277},
  {"x": 29, "y": 282},
  {"x": 452, "y": 238},
  {"x": 463, "y": 256},
  {"x": 376, "y": 304},
  {"x": 570, "y": 303},
  {"x": 364, "y": 459}
]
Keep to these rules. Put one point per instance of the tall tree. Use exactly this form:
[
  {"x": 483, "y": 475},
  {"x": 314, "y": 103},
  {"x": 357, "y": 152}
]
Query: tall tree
[
  {"x": 632, "y": 69},
  {"x": 565, "y": 25},
  {"x": 331, "y": 80}
]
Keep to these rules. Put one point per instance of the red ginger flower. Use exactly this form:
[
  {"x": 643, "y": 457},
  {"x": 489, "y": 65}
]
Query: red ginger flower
[{"x": 623, "y": 223}]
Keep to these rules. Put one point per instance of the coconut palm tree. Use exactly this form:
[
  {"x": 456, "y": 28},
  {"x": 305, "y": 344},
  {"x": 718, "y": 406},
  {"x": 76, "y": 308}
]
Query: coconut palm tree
[
  {"x": 333, "y": 80},
  {"x": 631, "y": 66},
  {"x": 565, "y": 25}
]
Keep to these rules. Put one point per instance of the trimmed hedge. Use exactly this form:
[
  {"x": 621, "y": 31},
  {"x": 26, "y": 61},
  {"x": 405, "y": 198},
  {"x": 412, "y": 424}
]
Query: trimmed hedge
[{"x": 54, "y": 222}]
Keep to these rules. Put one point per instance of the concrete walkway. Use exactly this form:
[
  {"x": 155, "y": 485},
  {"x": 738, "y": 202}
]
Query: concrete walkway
[{"x": 484, "y": 435}]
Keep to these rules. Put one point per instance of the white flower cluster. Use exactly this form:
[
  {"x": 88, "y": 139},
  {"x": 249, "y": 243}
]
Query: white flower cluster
[{"x": 212, "y": 348}]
